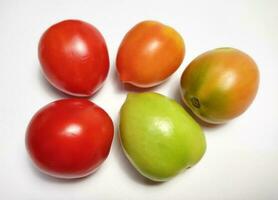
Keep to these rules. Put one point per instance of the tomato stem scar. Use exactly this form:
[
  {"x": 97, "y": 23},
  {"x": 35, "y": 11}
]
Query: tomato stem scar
[{"x": 195, "y": 102}]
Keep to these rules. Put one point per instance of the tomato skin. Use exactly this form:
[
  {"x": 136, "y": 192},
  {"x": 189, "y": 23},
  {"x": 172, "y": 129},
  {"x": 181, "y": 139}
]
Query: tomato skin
[
  {"x": 220, "y": 84},
  {"x": 74, "y": 57},
  {"x": 149, "y": 53},
  {"x": 69, "y": 138}
]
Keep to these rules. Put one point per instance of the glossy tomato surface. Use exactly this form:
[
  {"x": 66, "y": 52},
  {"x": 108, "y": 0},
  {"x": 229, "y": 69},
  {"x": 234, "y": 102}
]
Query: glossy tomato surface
[
  {"x": 220, "y": 84},
  {"x": 74, "y": 57},
  {"x": 149, "y": 53},
  {"x": 69, "y": 138}
]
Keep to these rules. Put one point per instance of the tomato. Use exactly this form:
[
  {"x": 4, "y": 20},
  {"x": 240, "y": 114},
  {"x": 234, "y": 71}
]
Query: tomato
[
  {"x": 220, "y": 84},
  {"x": 149, "y": 53},
  {"x": 74, "y": 57},
  {"x": 158, "y": 136},
  {"x": 69, "y": 138}
]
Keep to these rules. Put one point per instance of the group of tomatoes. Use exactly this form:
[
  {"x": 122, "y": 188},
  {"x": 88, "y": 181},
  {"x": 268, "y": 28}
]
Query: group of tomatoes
[{"x": 70, "y": 138}]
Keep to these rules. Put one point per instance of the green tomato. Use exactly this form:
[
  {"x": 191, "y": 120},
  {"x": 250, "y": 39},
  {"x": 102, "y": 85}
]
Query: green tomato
[{"x": 158, "y": 136}]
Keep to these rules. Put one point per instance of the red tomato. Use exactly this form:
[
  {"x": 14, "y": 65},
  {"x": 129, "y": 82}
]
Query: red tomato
[
  {"x": 69, "y": 138},
  {"x": 74, "y": 57},
  {"x": 149, "y": 53}
]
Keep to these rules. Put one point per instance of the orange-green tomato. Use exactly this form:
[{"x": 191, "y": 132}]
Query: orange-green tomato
[
  {"x": 149, "y": 53},
  {"x": 220, "y": 84}
]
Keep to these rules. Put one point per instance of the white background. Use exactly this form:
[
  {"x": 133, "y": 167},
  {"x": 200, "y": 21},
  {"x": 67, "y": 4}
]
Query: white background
[{"x": 241, "y": 161}]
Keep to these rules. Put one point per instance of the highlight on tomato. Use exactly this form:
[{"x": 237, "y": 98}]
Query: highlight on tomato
[
  {"x": 220, "y": 84},
  {"x": 149, "y": 53},
  {"x": 74, "y": 57}
]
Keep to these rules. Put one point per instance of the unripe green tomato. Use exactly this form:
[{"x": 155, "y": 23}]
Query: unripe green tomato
[{"x": 158, "y": 136}]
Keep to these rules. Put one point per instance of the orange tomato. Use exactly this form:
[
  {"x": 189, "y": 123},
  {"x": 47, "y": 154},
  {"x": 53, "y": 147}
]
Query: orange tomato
[
  {"x": 149, "y": 53},
  {"x": 220, "y": 84}
]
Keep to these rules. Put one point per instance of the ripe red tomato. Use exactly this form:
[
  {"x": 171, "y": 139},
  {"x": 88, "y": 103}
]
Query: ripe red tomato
[
  {"x": 149, "y": 53},
  {"x": 69, "y": 138},
  {"x": 74, "y": 57}
]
